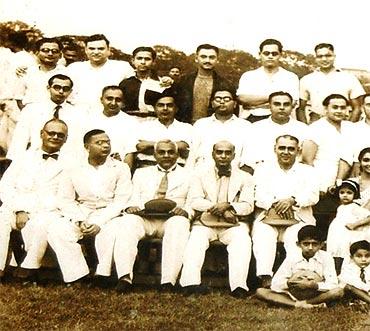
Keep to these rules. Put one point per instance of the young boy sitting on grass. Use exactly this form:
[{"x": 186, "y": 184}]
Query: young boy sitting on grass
[
  {"x": 307, "y": 279},
  {"x": 355, "y": 275}
]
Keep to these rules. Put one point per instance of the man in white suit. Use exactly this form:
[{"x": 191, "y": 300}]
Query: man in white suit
[
  {"x": 225, "y": 195},
  {"x": 29, "y": 194},
  {"x": 290, "y": 189},
  {"x": 173, "y": 226},
  {"x": 91, "y": 197}
]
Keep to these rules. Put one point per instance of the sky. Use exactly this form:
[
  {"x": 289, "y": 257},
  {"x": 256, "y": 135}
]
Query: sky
[{"x": 230, "y": 24}]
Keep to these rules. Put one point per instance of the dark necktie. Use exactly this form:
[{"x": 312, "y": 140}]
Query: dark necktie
[
  {"x": 362, "y": 275},
  {"x": 163, "y": 186},
  {"x": 56, "y": 111},
  {"x": 53, "y": 156}
]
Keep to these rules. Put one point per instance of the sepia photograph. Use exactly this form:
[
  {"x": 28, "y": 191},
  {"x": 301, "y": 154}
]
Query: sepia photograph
[{"x": 184, "y": 165}]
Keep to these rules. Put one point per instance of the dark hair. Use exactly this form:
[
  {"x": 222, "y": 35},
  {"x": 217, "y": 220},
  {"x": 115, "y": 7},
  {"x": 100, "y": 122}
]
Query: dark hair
[
  {"x": 72, "y": 47},
  {"x": 55, "y": 120},
  {"x": 92, "y": 133},
  {"x": 334, "y": 96},
  {"x": 96, "y": 37},
  {"x": 324, "y": 45},
  {"x": 111, "y": 87},
  {"x": 18, "y": 39},
  {"x": 42, "y": 41},
  {"x": 287, "y": 136},
  {"x": 271, "y": 42},
  {"x": 207, "y": 46},
  {"x": 310, "y": 232},
  {"x": 145, "y": 49},
  {"x": 274, "y": 94},
  {"x": 355, "y": 187},
  {"x": 229, "y": 89},
  {"x": 59, "y": 76},
  {"x": 362, "y": 153},
  {"x": 362, "y": 244}
]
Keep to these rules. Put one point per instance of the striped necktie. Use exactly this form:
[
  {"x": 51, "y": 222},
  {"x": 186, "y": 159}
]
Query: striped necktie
[
  {"x": 163, "y": 186},
  {"x": 56, "y": 111},
  {"x": 362, "y": 275}
]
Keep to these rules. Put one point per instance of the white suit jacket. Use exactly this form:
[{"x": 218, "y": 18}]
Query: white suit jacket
[
  {"x": 96, "y": 195},
  {"x": 31, "y": 183},
  {"x": 274, "y": 183},
  {"x": 146, "y": 182},
  {"x": 204, "y": 190}
]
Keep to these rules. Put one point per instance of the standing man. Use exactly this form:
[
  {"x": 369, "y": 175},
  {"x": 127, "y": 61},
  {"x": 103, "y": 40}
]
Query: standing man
[
  {"x": 91, "y": 197},
  {"x": 165, "y": 180},
  {"x": 34, "y": 115},
  {"x": 255, "y": 86},
  {"x": 145, "y": 78},
  {"x": 226, "y": 195},
  {"x": 98, "y": 71},
  {"x": 267, "y": 130},
  {"x": 290, "y": 195},
  {"x": 165, "y": 126},
  {"x": 34, "y": 78},
  {"x": 326, "y": 80},
  {"x": 29, "y": 195},
  {"x": 195, "y": 90},
  {"x": 222, "y": 125},
  {"x": 120, "y": 127}
]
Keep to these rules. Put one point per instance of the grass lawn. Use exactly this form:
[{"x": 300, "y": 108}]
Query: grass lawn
[{"x": 58, "y": 308}]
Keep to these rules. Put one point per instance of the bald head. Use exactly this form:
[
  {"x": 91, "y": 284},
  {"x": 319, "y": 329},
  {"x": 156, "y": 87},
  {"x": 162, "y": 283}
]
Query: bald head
[{"x": 223, "y": 153}]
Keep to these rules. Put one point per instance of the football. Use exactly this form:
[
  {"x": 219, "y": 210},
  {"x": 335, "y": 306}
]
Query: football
[{"x": 302, "y": 276}]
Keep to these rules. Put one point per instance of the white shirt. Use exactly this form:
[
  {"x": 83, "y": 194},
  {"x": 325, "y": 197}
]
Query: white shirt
[
  {"x": 316, "y": 86},
  {"x": 34, "y": 83},
  {"x": 350, "y": 275},
  {"x": 35, "y": 115},
  {"x": 121, "y": 129},
  {"x": 331, "y": 148},
  {"x": 85, "y": 189},
  {"x": 89, "y": 81},
  {"x": 265, "y": 133},
  {"x": 210, "y": 130},
  {"x": 259, "y": 82},
  {"x": 274, "y": 183},
  {"x": 322, "y": 263},
  {"x": 156, "y": 131}
]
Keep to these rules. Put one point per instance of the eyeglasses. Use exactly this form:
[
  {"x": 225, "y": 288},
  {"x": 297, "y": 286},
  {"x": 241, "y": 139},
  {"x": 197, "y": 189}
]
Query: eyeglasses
[
  {"x": 60, "y": 135},
  {"x": 59, "y": 88},
  {"x": 225, "y": 99},
  {"x": 48, "y": 50},
  {"x": 267, "y": 53}
]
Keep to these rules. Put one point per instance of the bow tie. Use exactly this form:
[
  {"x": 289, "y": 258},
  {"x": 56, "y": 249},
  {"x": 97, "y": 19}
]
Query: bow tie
[
  {"x": 53, "y": 156},
  {"x": 224, "y": 172}
]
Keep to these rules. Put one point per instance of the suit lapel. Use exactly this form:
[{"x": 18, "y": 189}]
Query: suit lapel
[{"x": 234, "y": 186}]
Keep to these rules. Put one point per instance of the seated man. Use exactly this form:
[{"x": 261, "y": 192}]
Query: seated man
[
  {"x": 288, "y": 189},
  {"x": 166, "y": 180},
  {"x": 165, "y": 126},
  {"x": 29, "y": 194},
  {"x": 307, "y": 279},
  {"x": 91, "y": 197},
  {"x": 221, "y": 195}
]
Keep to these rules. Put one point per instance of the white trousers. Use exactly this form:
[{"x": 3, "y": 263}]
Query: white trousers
[
  {"x": 238, "y": 244},
  {"x": 265, "y": 237},
  {"x": 34, "y": 235},
  {"x": 63, "y": 237},
  {"x": 133, "y": 228}
]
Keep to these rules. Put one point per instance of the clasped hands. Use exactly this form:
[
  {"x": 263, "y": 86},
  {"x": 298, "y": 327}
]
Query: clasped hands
[
  {"x": 224, "y": 210},
  {"x": 284, "y": 208}
]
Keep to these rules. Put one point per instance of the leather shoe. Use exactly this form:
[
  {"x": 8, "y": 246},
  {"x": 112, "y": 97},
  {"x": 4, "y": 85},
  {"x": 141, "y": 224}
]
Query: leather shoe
[
  {"x": 196, "y": 289},
  {"x": 123, "y": 286},
  {"x": 240, "y": 293},
  {"x": 166, "y": 288}
]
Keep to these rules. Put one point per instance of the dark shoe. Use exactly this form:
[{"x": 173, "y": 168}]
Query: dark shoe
[
  {"x": 123, "y": 286},
  {"x": 79, "y": 283},
  {"x": 27, "y": 277},
  {"x": 265, "y": 281},
  {"x": 240, "y": 293},
  {"x": 166, "y": 288},
  {"x": 196, "y": 289},
  {"x": 103, "y": 282}
]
